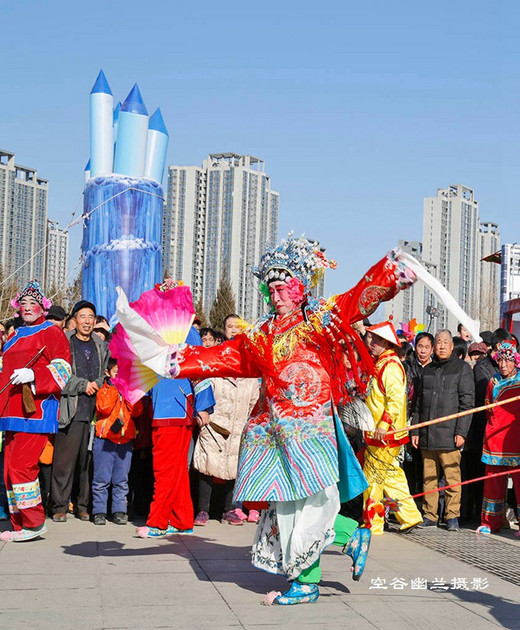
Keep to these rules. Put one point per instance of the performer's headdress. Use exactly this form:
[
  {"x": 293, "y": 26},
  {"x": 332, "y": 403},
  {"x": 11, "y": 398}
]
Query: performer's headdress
[
  {"x": 34, "y": 291},
  {"x": 293, "y": 258},
  {"x": 507, "y": 350},
  {"x": 386, "y": 331}
]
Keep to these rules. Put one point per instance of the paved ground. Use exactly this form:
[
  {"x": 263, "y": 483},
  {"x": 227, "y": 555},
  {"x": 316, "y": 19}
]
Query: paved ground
[{"x": 82, "y": 576}]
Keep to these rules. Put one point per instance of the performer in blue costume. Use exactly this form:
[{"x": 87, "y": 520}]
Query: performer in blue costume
[{"x": 177, "y": 406}]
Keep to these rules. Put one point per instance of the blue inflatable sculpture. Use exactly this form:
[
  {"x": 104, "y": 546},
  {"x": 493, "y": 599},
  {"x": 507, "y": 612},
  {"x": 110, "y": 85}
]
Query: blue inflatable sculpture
[{"x": 123, "y": 199}]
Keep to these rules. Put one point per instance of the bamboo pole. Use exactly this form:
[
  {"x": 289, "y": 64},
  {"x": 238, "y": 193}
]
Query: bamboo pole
[{"x": 452, "y": 416}]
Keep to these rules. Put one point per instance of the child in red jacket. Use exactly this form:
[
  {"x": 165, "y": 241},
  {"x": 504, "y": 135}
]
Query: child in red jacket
[{"x": 112, "y": 451}]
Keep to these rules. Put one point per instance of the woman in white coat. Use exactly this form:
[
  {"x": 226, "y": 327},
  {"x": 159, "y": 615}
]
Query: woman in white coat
[{"x": 216, "y": 457}]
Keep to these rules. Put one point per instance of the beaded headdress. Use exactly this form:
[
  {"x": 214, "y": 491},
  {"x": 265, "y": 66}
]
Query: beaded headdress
[
  {"x": 34, "y": 291},
  {"x": 507, "y": 350},
  {"x": 294, "y": 258}
]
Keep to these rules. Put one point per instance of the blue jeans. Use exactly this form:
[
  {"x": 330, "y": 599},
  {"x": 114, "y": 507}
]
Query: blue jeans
[{"x": 111, "y": 466}]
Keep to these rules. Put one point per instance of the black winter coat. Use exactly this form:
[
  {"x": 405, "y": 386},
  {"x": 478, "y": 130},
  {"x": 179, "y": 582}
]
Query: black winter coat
[
  {"x": 414, "y": 375},
  {"x": 448, "y": 387}
]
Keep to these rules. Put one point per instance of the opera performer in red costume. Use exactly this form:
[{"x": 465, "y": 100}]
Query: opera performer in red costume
[
  {"x": 501, "y": 450},
  {"x": 35, "y": 368},
  {"x": 294, "y": 455}
]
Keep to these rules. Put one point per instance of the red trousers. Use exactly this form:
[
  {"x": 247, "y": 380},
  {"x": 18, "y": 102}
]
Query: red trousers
[
  {"x": 171, "y": 496},
  {"x": 21, "y": 468},
  {"x": 494, "y": 495}
]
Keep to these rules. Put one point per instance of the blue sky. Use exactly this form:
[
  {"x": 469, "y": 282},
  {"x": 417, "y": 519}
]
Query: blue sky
[{"x": 358, "y": 109}]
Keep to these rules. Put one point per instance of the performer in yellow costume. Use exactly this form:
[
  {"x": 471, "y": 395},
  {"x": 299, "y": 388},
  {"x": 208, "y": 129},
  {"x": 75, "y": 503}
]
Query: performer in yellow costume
[{"x": 387, "y": 402}]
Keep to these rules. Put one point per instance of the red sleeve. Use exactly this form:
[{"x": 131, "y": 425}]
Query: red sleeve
[
  {"x": 52, "y": 369},
  {"x": 380, "y": 284},
  {"x": 231, "y": 358}
]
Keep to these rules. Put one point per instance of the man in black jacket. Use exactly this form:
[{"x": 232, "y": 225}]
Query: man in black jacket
[
  {"x": 448, "y": 388},
  {"x": 77, "y": 407}
]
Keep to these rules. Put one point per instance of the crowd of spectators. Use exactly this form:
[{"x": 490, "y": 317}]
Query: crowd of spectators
[{"x": 108, "y": 453}]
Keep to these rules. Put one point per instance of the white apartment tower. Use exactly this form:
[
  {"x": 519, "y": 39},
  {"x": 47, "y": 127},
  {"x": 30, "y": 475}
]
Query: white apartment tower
[
  {"x": 410, "y": 303},
  {"x": 184, "y": 226},
  {"x": 219, "y": 218},
  {"x": 57, "y": 257},
  {"x": 489, "y": 310},
  {"x": 451, "y": 247},
  {"x": 23, "y": 221}
]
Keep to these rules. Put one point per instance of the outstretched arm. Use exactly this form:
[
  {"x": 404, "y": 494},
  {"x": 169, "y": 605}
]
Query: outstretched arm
[
  {"x": 380, "y": 284},
  {"x": 231, "y": 359}
]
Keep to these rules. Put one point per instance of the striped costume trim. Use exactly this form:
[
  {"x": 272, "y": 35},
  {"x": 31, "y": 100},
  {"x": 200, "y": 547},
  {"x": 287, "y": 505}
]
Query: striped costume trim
[
  {"x": 285, "y": 459},
  {"x": 491, "y": 507},
  {"x": 501, "y": 459},
  {"x": 200, "y": 387},
  {"x": 27, "y": 495},
  {"x": 11, "y": 502},
  {"x": 61, "y": 371}
]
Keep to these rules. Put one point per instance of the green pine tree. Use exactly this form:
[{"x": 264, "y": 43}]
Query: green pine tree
[
  {"x": 223, "y": 305},
  {"x": 200, "y": 313}
]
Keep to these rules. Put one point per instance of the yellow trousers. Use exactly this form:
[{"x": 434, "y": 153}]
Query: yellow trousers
[{"x": 386, "y": 478}]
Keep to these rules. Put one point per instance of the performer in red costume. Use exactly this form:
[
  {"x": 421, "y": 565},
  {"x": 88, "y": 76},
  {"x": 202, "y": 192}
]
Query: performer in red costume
[
  {"x": 501, "y": 450},
  {"x": 36, "y": 366},
  {"x": 294, "y": 454}
]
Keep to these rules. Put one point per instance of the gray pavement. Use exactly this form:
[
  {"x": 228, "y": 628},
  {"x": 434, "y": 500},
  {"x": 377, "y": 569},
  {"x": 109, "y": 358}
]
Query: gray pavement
[{"x": 83, "y": 576}]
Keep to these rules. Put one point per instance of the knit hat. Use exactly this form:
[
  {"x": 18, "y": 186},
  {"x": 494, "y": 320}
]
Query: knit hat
[{"x": 477, "y": 348}]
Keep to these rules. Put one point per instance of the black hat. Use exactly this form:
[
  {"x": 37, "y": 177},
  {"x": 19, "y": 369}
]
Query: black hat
[
  {"x": 57, "y": 313},
  {"x": 83, "y": 304},
  {"x": 487, "y": 337}
]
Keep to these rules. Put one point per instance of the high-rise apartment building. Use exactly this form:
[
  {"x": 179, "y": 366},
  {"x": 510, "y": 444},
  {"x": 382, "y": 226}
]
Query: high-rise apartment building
[
  {"x": 451, "y": 247},
  {"x": 184, "y": 226},
  {"x": 410, "y": 303},
  {"x": 489, "y": 310},
  {"x": 57, "y": 257},
  {"x": 23, "y": 221},
  {"x": 454, "y": 243},
  {"x": 218, "y": 220}
]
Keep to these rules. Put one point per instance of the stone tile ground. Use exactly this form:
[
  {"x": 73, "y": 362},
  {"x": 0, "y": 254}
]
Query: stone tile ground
[{"x": 83, "y": 576}]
